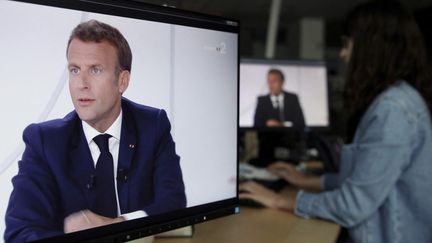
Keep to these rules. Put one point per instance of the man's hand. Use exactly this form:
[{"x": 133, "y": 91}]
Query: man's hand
[
  {"x": 86, "y": 219},
  {"x": 254, "y": 191},
  {"x": 273, "y": 123}
]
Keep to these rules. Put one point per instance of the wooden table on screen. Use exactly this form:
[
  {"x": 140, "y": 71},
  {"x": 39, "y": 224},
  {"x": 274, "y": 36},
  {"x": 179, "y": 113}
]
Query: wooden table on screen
[{"x": 261, "y": 225}]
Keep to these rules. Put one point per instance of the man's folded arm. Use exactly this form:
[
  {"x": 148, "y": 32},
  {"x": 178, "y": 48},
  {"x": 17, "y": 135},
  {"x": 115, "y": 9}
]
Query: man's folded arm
[
  {"x": 259, "y": 118},
  {"x": 31, "y": 213},
  {"x": 169, "y": 191}
]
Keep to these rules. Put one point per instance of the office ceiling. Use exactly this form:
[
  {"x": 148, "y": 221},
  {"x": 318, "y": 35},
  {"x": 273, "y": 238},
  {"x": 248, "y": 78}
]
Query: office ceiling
[{"x": 291, "y": 9}]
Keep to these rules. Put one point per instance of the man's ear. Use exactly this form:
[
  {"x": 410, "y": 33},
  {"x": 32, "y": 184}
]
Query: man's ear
[{"x": 124, "y": 78}]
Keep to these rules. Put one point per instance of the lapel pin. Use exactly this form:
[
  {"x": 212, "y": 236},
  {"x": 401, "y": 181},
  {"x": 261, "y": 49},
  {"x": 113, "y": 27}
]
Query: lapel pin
[{"x": 131, "y": 145}]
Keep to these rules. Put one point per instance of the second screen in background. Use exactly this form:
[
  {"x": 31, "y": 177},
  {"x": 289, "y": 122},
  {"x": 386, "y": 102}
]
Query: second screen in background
[{"x": 308, "y": 80}]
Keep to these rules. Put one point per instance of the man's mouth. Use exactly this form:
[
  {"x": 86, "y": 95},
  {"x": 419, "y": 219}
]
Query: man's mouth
[{"x": 85, "y": 101}]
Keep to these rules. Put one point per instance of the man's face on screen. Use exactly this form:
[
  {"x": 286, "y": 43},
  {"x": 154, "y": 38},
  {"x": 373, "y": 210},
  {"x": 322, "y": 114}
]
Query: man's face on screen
[
  {"x": 94, "y": 85},
  {"x": 275, "y": 83}
]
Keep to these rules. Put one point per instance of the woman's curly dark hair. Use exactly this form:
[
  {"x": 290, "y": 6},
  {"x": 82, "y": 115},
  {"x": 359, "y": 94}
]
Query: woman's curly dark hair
[{"x": 387, "y": 47}]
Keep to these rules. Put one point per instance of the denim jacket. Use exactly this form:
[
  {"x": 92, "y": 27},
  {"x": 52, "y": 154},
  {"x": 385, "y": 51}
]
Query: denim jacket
[{"x": 383, "y": 193}]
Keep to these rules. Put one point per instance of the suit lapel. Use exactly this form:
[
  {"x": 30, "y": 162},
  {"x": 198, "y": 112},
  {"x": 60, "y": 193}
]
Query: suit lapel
[
  {"x": 127, "y": 148},
  {"x": 82, "y": 166},
  {"x": 286, "y": 105},
  {"x": 269, "y": 103}
]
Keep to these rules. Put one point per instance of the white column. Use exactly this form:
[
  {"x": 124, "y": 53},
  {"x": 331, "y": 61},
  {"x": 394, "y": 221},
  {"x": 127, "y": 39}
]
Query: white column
[{"x": 272, "y": 28}]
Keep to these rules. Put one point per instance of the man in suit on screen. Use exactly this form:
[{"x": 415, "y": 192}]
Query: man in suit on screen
[
  {"x": 108, "y": 161},
  {"x": 279, "y": 108}
]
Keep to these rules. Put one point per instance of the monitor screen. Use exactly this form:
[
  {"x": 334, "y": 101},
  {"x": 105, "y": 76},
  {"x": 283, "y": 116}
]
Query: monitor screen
[
  {"x": 305, "y": 85},
  {"x": 174, "y": 119}
]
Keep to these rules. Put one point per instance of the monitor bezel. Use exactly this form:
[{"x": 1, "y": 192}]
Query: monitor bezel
[
  {"x": 136, "y": 10},
  {"x": 138, "y": 228}
]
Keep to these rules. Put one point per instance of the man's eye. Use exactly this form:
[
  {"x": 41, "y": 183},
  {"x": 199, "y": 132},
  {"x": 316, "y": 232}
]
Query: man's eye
[
  {"x": 96, "y": 71},
  {"x": 74, "y": 71}
]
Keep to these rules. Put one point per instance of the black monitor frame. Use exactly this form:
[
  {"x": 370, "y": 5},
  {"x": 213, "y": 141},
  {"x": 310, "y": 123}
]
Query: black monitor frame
[{"x": 151, "y": 225}]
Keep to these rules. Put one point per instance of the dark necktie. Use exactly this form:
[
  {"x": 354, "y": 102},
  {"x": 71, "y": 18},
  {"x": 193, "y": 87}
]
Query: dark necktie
[
  {"x": 279, "y": 108},
  {"x": 106, "y": 203}
]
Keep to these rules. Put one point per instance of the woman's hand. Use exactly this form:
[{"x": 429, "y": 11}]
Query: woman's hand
[
  {"x": 254, "y": 191},
  {"x": 289, "y": 173}
]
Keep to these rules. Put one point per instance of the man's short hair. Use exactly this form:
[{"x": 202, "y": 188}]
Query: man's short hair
[
  {"x": 95, "y": 31},
  {"x": 277, "y": 72}
]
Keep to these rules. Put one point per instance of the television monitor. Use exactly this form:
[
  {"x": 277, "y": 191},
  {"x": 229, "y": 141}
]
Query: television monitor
[
  {"x": 306, "y": 79},
  {"x": 184, "y": 64}
]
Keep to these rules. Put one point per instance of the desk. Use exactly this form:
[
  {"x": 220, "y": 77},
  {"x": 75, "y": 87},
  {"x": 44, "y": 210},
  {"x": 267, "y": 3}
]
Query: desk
[{"x": 259, "y": 225}]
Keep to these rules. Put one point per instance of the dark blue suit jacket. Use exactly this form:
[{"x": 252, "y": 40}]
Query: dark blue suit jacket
[
  {"x": 55, "y": 170},
  {"x": 292, "y": 111}
]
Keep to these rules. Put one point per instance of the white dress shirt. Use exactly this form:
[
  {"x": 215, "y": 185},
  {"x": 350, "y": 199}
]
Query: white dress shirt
[
  {"x": 275, "y": 99},
  {"x": 114, "y": 145}
]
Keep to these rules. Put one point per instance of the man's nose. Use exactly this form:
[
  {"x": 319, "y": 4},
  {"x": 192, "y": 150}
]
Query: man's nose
[{"x": 84, "y": 81}]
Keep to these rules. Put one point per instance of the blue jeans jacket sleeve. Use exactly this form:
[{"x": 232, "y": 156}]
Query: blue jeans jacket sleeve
[
  {"x": 380, "y": 151},
  {"x": 329, "y": 181}
]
